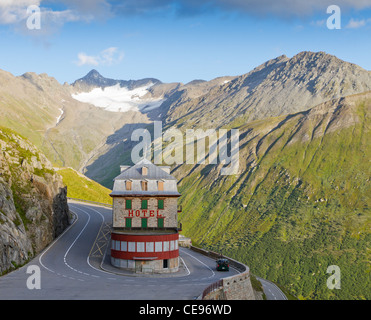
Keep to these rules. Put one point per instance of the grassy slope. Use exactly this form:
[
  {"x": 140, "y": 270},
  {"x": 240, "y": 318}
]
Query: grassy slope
[
  {"x": 299, "y": 205},
  {"x": 81, "y": 187}
]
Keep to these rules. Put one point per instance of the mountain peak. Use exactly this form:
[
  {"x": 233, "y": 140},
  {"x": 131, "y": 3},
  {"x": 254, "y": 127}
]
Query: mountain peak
[
  {"x": 95, "y": 79},
  {"x": 316, "y": 56},
  {"x": 93, "y": 74}
]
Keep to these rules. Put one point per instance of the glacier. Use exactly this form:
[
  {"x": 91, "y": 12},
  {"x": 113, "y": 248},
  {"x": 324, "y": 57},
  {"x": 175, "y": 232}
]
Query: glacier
[{"x": 120, "y": 99}]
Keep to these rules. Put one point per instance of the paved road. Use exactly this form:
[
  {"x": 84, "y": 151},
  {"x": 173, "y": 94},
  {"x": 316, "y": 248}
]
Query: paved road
[
  {"x": 68, "y": 273},
  {"x": 68, "y": 269},
  {"x": 271, "y": 290}
]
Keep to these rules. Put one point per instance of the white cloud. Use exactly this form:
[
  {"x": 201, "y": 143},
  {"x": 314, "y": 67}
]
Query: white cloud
[
  {"x": 285, "y": 8},
  {"x": 318, "y": 23},
  {"x": 15, "y": 14},
  {"x": 106, "y": 57},
  {"x": 278, "y": 8},
  {"x": 14, "y": 11},
  {"x": 84, "y": 59},
  {"x": 89, "y": 10},
  {"x": 355, "y": 24},
  {"x": 111, "y": 56}
]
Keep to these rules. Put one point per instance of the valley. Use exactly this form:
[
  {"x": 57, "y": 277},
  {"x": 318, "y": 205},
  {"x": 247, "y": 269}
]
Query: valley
[{"x": 301, "y": 198}]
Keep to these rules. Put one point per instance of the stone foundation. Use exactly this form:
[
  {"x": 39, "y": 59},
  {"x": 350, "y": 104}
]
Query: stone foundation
[{"x": 142, "y": 266}]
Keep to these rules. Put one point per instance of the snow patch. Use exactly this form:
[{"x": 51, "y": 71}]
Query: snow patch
[
  {"x": 60, "y": 116},
  {"x": 119, "y": 99}
]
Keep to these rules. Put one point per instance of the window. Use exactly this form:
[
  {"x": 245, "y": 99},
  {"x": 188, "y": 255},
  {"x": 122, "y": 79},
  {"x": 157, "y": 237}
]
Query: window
[
  {"x": 160, "y": 185},
  {"x": 127, "y": 204},
  {"x": 166, "y": 246},
  {"x": 144, "y": 222},
  {"x": 128, "y": 222},
  {"x": 144, "y": 204},
  {"x": 150, "y": 246},
  {"x": 158, "y": 246},
  {"x": 144, "y": 186},
  {"x": 144, "y": 171},
  {"x": 160, "y": 222},
  {"x": 131, "y": 246},
  {"x": 160, "y": 203},
  {"x": 124, "y": 246},
  {"x": 140, "y": 246},
  {"x": 128, "y": 185}
]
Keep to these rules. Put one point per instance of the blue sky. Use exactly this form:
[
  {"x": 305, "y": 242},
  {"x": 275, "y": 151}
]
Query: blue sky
[{"x": 175, "y": 40}]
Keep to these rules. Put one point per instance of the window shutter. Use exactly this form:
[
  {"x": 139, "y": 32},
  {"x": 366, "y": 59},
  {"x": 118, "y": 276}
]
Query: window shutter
[
  {"x": 144, "y": 185},
  {"x": 128, "y": 222},
  {"x": 160, "y": 186},
  {"x": 127, "y": 204}
]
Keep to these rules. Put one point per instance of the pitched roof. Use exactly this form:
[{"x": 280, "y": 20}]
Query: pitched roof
[{"x": 153, "y": 172}]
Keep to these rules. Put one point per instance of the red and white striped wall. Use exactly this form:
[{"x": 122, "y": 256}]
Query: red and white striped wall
[{"x": 144, "y": 247}]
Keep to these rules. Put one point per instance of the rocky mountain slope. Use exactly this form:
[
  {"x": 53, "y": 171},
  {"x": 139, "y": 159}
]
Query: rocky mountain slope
[
  {"x": 91, "y": 140},
  {"x": 95, "y": 80},
  {"x": 280, "y": 86},
  {"x": 300, "y": 202},
  {"x": 33, "y": 202},
  {"x": 67, "y": 131}
]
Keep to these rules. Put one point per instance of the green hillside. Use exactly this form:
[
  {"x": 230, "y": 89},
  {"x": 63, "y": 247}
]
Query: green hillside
[
  {"x": 81, "y": 187},
  {"x": 300, "y": 203}
]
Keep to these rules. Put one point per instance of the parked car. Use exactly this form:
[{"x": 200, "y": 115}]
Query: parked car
[{"x": 222, "y": 265}]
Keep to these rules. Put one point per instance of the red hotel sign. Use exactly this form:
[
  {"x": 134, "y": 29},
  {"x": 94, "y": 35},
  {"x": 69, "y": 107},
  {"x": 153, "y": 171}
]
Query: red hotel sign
[{"x": 144, "y": 213}]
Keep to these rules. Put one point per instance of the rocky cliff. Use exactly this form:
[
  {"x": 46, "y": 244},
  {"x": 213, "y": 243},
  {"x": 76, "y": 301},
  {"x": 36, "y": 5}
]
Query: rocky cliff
[{"x": 33, "y": 201}]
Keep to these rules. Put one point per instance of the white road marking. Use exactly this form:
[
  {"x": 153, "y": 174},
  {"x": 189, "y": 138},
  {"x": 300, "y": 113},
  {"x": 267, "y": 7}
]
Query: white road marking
[
  {"x": 78, "y": 236},
  {"x": 188, "y": 272},
  {"x": 73, "y": 243},
  {"x": 88, "y": 257},
  {"x": 213, "y": 273},
  {"x": 51, "y": 245}
]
